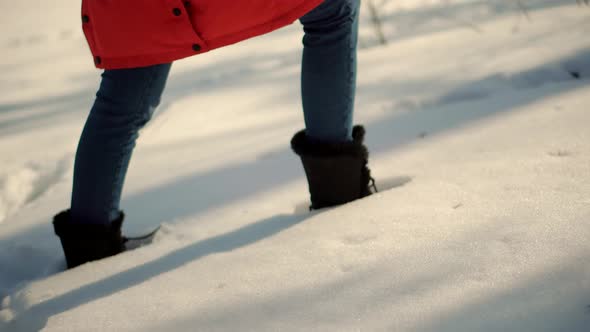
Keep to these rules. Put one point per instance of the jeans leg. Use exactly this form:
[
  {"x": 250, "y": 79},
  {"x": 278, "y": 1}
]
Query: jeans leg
[
  {"x": 124, "y": 103},
  {"x": 328, "y": 73}
]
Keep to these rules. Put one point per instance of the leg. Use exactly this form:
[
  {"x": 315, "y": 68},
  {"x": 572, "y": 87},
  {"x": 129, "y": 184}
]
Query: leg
[
  {"x": 124, "y": 103},
  {"x": 328, "y": 74},
  {"x": 332, "y": 151}
]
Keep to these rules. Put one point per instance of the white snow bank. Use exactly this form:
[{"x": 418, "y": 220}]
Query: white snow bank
[{"x": 477, "y": 124}]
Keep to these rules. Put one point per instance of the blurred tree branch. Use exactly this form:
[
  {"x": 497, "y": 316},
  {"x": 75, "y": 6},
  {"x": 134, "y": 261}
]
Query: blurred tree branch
[
  {"x": 376, "y": 21},
  {"x": 376, "y": 8}
]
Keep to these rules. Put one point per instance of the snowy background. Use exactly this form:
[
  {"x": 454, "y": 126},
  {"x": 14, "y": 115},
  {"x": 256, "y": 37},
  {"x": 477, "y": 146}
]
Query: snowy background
[{"x": 478, "y": 125}]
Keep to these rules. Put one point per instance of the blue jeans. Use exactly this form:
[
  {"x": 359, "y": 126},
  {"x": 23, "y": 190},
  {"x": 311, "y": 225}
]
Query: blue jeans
[{"x": 127, "y": 99}]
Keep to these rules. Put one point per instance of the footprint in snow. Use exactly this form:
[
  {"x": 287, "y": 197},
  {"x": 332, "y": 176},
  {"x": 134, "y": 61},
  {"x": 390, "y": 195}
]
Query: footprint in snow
[
  {"x": 560, "y": 153},
  {"x": 25, "y": 263},
  {"x": 358, "y": 239},
  {"x": 302, "y": 208},
  {"x": 36, "y": 39},
  {"x": 66, "y": 34},
  {"x": 347, "y": 268},
  {"x": 383, "y": 184},
  {"x": 28, "y": 183},
  {"x": 14, "y": 43}
]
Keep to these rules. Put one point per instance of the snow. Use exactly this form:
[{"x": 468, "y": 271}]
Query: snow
[{"x": 477, "y": 123}]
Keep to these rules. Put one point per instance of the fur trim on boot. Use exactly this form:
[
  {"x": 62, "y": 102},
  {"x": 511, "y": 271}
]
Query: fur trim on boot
[
  {"x": 302, "y": 146},
  {"x": 337, "y": 173}
]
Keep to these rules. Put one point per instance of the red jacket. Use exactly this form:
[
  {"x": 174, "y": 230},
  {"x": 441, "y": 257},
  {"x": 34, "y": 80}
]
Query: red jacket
[{"x": 137, "y": 33}]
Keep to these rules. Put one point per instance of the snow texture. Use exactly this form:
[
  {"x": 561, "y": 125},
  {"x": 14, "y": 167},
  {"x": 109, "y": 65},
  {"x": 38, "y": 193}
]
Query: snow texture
[{"x": 477, "y": 124}]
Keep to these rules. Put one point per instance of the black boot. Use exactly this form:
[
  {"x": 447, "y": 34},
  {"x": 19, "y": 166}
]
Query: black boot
[
  {"x": 88, "y": 242},
  {"x": 337, "y": 173}
]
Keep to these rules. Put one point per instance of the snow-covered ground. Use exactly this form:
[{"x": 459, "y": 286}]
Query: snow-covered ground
[{"x": 478, "y": 125}]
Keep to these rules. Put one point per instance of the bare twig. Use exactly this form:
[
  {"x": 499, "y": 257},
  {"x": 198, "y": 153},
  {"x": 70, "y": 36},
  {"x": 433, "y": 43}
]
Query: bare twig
[
  {"x": 376, "y": 20},
  {"x": 524, "y": 10}
]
